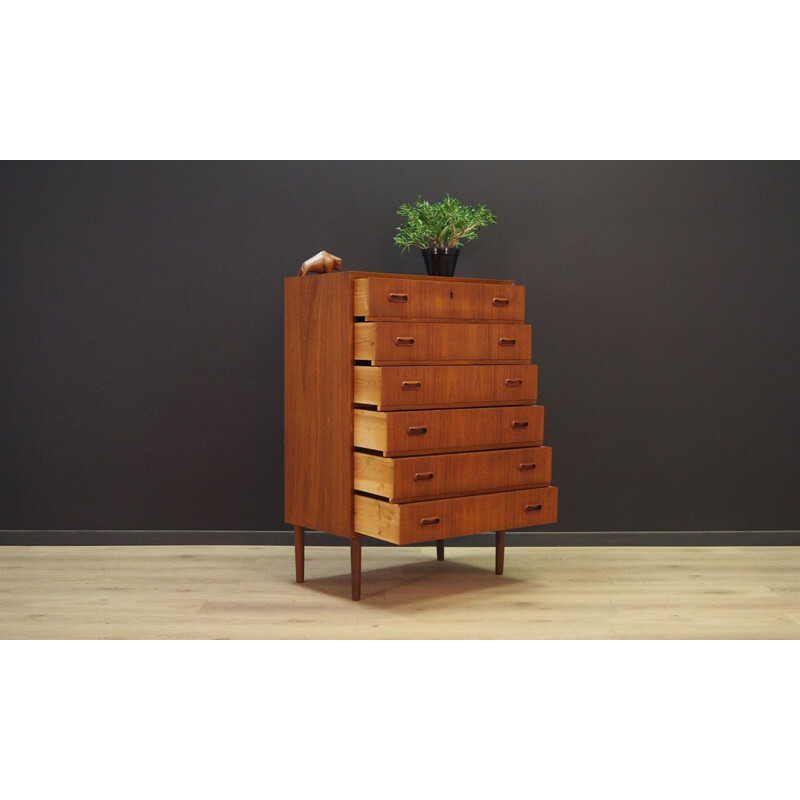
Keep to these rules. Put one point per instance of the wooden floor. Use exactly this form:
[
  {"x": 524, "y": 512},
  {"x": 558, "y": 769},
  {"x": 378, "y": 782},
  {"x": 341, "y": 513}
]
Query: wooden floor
[{"x": 248, "y": 592}]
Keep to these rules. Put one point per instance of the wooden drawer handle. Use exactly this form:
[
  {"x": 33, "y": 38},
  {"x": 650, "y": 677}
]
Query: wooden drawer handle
[
  {"x": 417, "y": 430},
  {"x": 523, "y": 467},
  {"x": 500, "y": 301},
  {"x": 404, "y": 341},
  {"x": 429, "y": 521},
  {"x": 534, "y": 508},
  {"x": 398, "y": 298},
  {"x": 410, "y": 385},
  {"x": 507, "y": 342},
  {"x": 516, "y": 423},
  {"x": 423, "y": 476},
  {"x": 511, "y": 382}
]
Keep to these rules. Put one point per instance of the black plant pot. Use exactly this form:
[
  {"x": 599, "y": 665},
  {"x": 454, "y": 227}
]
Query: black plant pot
[{"x": 440, "y": 260}]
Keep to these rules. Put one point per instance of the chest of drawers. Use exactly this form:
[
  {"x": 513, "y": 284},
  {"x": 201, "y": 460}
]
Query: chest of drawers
[{"x": 410, "y": 412}]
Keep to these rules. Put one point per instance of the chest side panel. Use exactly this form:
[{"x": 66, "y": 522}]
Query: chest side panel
[{"x": 318, "y": 402}]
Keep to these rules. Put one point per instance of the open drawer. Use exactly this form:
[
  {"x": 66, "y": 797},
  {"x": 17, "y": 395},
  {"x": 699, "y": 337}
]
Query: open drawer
[
  {"x": 407, "y": 523},
  {"x": 402, "y": 480}
]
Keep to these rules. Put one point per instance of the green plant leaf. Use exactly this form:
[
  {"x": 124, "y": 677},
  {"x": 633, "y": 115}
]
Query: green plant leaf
[{"x": 444, "y": 224}]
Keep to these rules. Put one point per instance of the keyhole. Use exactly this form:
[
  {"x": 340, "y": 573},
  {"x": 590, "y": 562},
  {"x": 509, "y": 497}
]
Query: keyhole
[{"x": 451, "y": 295}]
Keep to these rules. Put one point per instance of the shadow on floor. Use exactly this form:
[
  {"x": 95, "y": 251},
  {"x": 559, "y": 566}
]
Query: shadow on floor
[{"x": 412, "y": 582}]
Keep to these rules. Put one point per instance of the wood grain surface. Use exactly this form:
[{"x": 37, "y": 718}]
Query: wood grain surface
[
  {"x": 441, "y": 342},
  {"x": 318, "y": 400},
  {"x": 424, "y": 477},
  {"x": 448, "y": 430},
  {"x": 409, "y": 523},
  {"x": 249, "y": 592},
  {"x": 430, "y": 278},
  {"x": 403, "y": 298},
  {"x": 412, "y": 386}
]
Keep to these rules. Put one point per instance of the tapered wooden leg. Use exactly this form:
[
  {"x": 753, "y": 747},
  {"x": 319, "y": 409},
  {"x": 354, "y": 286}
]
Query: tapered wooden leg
[
  {"x": 299, "y": 553},
  {"x": 499, "y": 551},
  {"x": 440, "y": 549},
  {"x": 355, "y": 565}
]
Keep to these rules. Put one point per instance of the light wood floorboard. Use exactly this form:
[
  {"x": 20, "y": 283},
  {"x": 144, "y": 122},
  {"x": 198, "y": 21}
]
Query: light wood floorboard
[{"x": 248, "y": 592}]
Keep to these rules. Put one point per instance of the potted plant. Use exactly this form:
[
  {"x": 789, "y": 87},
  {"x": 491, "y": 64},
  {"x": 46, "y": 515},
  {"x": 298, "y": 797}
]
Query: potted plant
[{"x": 439, "y": 230}]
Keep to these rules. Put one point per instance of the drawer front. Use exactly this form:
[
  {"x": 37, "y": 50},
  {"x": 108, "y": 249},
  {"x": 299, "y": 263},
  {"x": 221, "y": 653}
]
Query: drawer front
[
  {"x": 408, "y": 523},
  {"x": 411, "y": 386},
  {"x": 432, "y": 342},
  {"x": 399, "y": 298},
  {"x": 401, "y": 480},
  {"x": 448, "y": 430}
]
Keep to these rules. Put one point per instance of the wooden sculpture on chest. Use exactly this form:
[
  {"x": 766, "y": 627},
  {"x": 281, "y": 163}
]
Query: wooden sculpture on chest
[{"x": 321, "y": 263}]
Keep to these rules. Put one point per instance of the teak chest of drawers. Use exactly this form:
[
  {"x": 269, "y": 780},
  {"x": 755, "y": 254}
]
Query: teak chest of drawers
[{"x": 410, "y": 412}]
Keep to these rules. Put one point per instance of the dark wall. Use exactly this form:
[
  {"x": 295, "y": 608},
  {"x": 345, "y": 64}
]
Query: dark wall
[{"x": 141, "y": 320}]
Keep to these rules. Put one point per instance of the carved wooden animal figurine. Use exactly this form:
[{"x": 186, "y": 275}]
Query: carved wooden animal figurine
[{"x": 322, "y": 262}]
